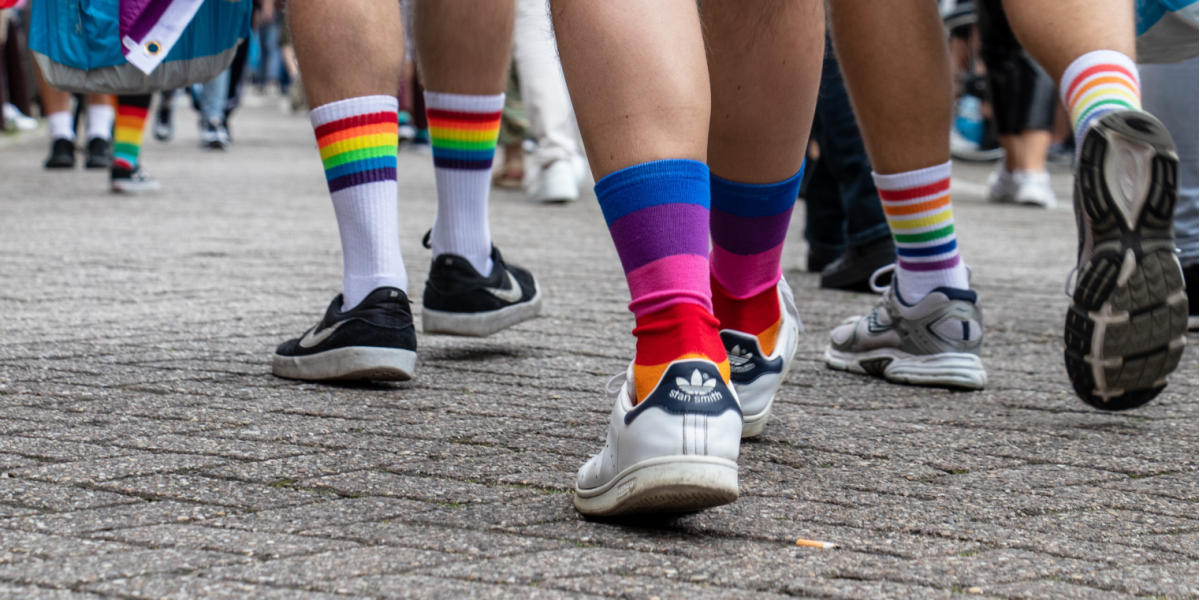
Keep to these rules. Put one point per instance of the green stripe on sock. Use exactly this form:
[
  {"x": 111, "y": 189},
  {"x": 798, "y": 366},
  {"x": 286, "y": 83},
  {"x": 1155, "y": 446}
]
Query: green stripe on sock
[
  {"x": 359, "y": 154},
  {"x": 913, "y": 238},
  {"x": 126, "y": 149},
  {"x": 463, "y": 145}
]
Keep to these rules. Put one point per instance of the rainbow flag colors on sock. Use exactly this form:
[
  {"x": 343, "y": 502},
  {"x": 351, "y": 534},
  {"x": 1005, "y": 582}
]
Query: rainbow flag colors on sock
[
  {"x": 1098, "y": 83},
  {"x": 657, "y": 214},
  {"x": 128, "y": 129},
  {"x": 919, "y": 213},
  {"x": 462, "y": 139},
  {"x": 358, "y": 149},
  {"x": 749, "y": 223}
]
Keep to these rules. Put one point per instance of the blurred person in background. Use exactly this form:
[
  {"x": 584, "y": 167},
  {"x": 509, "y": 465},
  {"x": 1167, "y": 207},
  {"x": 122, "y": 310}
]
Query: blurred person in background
[
  {"x": 1023, "y": 102},
  {"x": 56, "y": 107}
]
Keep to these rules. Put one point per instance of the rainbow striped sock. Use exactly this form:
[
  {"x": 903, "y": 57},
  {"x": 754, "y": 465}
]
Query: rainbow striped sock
[
  {"x": 357, "y": 138},
  {"x": 1098, "y": 83},
  {"x": 749, "y": 223},
  {"x": 918, "y": 209},
  {"x": 463, "y": 130},
  {"x": 657, "y": 214},
  {"x": 128, "y": 129}
]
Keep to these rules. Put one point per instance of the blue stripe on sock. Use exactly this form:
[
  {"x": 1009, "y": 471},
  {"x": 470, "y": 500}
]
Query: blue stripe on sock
[
  {"x": 755, "y": 200},
  {"x": 670, "y": 181},
  {"x": 928, "y": 251}
]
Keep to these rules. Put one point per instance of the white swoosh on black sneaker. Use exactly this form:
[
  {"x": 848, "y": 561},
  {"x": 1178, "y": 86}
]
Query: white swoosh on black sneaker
[
  {"x": 512, "y": 294},
  {"x": 312, "y": 338}
]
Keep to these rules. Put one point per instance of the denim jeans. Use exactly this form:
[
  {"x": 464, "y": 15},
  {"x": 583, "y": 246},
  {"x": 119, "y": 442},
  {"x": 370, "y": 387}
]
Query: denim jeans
[
  {"x": 1170, "y": 92},
  {"x": 842, "y": 204},
  {"x": 213, "y": 97}
]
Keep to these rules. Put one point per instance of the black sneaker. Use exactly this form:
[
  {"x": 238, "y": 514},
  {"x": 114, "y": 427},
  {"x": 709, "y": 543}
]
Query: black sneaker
[
  {"x": 123, "y": 180},
  {"x": 374, "y": 340},
  {"x": 853, "y": 270},
  {"x": 99, "y": 155},
  {"x": 62, "y": 154},
  {"x": 460, "y": 301},
  {"x": 1125, "y": 330}
]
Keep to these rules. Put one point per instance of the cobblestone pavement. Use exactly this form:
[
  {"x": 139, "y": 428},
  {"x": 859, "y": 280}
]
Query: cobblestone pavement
[{"x": 147, "y": 451}]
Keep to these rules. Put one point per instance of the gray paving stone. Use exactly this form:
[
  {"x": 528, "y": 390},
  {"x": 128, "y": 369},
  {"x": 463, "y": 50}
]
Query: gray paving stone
[
  {"x": 144, "y": 445},
  {"x": 205, "y": 490},
  {"x": 105, "y": 469},
  {"x": 73, "y": 571},
  {"x": 14, "y": 592},
  {"x": 165, "y": 587},
  {"x": 138, "y": 514},
  {"x": 232, "y": 541}
]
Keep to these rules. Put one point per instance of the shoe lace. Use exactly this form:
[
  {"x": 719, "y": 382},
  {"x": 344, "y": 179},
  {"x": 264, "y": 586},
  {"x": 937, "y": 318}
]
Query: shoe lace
[
  {"x": 1070, "y": 281},
  {"x": 619, "y": 380},
  {"x": 425, "y": 239},
  {"x": 878, "y": 289}
]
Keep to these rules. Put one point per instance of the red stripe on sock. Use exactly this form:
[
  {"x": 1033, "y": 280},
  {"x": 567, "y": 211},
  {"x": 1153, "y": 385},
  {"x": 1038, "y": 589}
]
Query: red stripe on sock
[
  {"x": 1092, "y": 70},
  {"x": 356, "y": 121},
  {"x": 752, "y": 315},
  {"x": 917, "y": 192},
  {"x": 132, "y": 111},
  {"x": 455, "y": 115},
  {"x": 682, "y": 329}
]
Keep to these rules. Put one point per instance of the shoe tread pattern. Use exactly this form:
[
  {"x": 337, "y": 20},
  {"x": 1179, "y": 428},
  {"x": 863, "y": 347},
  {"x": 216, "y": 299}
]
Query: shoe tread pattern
[{"x": 1141, "y": 343}]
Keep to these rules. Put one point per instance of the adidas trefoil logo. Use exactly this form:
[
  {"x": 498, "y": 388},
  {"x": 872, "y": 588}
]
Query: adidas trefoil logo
[
  {"x": 739, "y": 357},
  {"x": 701, "y": 388}
]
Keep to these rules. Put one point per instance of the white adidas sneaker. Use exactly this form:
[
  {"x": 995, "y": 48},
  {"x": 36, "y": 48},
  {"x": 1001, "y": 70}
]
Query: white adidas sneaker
[
  {"x": 755, "y": 376},
  {"x": 676, "y": 451}
]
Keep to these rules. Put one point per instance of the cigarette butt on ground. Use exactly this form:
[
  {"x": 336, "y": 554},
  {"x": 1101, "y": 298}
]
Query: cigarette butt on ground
[{"x": 815, "y": 544}]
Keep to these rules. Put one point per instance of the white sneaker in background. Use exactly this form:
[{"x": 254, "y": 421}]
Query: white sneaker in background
[
  {"x": 556, "y": 182},
  {"x": 1033, "y": 189},
  {"x": 1001, "y": 187}
]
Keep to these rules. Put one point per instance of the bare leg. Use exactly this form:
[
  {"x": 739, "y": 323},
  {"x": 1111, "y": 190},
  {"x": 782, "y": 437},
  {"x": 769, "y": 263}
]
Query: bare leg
[
  {"x": 896, "y": 65},
  {"x": 1026, "y": 151},
  {"x": 764, "y": 61},
  {"x": 463, "y": 45},
  {"x": 638, "y": 79},
  {"x": 1056, "y": 33},
  {"x": 347, "y": 48}
]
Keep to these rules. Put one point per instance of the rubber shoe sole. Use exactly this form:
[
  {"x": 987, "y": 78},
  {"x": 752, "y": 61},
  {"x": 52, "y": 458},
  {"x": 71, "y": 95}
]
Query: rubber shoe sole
[
  {"x": 949, "y": 369},
  {"x": 667, "y": 484},
  {"x": 480, "y": 324},
  {"x": 1125, "y": 329},
  {"x": 352, "y": 363}
]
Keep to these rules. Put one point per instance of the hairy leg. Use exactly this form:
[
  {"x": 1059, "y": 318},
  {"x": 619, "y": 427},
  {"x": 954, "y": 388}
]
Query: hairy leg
[
  {"x": 463, "y": 45},
  {"x": 1056, "y": 33},
  {"x": 896, "y": 66},
  {"x": 347, "y": 48},
  {"x": 638, "y": 79},
  {"x": 764, "y": 61}
]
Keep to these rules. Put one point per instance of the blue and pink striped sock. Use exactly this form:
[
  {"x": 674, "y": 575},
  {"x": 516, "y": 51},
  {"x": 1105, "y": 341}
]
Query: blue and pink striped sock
[
  {"x": 657, "y": 214},
  {"x": 749, "y": 223}
]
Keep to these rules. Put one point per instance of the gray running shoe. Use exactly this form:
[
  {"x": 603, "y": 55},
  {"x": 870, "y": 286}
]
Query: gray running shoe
[
  {"x": 1128, "y": 317},
  {"x": 934, "y": 342}
]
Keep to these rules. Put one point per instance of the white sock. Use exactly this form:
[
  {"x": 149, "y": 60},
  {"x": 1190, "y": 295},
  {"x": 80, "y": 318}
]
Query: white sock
[
  {"x": 464, "y": 177},
  {"x": 100, "y": 121},
  {"x": 364, "y": 191},
  {"x": 62, "y": 125},
  {"x": 920, "y": 215}
]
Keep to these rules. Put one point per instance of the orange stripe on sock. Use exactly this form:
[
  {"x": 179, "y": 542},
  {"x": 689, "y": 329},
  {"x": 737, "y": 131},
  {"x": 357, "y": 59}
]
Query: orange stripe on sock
[
  {"x": 674, "y": 333},
  {"x": 912, "y": 209},
  {"x": 352, "y": 132}
]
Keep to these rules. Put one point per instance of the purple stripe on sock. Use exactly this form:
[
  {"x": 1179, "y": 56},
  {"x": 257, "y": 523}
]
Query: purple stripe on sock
[
  {"x": 940, "y": 265},
  {"x": 655, "y": 232},
  {"x": 749, "y": 235},
  {"x": 465, "y": 165},
  {"x": 353, "y": 179}
]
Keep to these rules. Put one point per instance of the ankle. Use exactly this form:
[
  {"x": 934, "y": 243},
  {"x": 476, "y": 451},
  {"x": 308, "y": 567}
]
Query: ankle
[
  {"x": 679, "y": 332},
  {"x": 758, "y": 315}
]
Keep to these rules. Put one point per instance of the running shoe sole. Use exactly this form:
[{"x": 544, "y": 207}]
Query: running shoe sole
[
  {"x": 1128, "y": 317},
  {"x": 949, "y": 369},
  {"x": 354, "y": 362},
  {"x": 663, "y": 485},
  {"x": 481, "y": 324}
]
